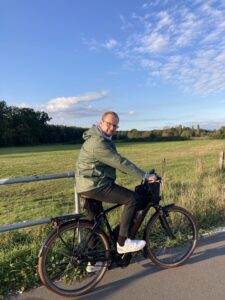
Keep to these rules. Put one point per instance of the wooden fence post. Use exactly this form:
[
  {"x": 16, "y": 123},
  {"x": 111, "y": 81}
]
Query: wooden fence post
[
  {"x": 199, "y": 167},
  {"x": 77, "y": 201},
  {"x": 163, "y": 172},
  {"x": 221, "y": 161}
]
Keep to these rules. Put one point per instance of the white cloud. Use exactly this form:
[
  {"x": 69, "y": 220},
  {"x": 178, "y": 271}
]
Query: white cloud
[
  {"x": 154, "y": 3},
  {"x": 152, "y": 43},
  {"x": 182, "y": 43},
  {"x": 110, "y": 44},
  {"x": 94, "y": 45},
  {"x": 65, "y": 103},
  {"x": 23, "y": 105},
  {"x": 220, "y": 57},
  {"x": 164, "y": 20},
  {"x": 76, "y": 110},
  {"x": 125, "y": 25},
  {"x": 91, "y": 43},
  {"x": 72, "y": 110}
]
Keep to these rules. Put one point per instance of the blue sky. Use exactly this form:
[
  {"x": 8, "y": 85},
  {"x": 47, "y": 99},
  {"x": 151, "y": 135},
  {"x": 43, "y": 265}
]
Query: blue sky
[{"x": 156, "y": 63}]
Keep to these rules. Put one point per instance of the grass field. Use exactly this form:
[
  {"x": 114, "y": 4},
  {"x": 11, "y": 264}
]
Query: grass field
[{"x": 192, "y": 180}]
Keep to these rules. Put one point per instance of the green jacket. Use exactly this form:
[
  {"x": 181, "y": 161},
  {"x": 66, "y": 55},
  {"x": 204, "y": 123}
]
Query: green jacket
[{"x": 98, "y": 160}]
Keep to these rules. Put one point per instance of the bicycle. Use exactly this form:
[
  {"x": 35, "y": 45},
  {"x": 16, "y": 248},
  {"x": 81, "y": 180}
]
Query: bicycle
[{"x": 76, "y": 243}]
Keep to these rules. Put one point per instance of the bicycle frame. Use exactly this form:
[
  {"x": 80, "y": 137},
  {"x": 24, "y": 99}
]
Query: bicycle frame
[
  {"x": 102, "y": 216},
  {"x": 140, "y": 216},
  {"x": 124, "y": 260}
]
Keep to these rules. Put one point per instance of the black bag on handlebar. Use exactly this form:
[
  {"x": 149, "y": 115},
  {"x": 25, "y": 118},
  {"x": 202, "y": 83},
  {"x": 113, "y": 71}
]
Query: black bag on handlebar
[{"x": 149, "y": 192}]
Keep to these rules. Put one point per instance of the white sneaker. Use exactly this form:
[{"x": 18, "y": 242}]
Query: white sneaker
[
  {"x": 94, "y": 268},
  {"x": 131, "y": 246}
]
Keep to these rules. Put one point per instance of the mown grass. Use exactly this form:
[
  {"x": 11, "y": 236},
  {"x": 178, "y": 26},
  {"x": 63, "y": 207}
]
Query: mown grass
[{"x": 192, "y": 180}]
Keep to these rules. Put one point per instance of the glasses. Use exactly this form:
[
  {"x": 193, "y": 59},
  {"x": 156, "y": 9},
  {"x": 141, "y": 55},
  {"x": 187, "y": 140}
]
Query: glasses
[{"x": 115, "y": 126}]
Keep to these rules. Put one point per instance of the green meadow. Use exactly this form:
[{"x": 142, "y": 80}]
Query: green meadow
[{"x": 192, "y": 180}]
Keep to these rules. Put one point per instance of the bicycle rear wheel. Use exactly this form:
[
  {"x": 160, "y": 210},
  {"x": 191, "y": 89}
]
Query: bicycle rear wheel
[
  {"x": 171, "y": 237},
  {"x": 68, "y": 256}
]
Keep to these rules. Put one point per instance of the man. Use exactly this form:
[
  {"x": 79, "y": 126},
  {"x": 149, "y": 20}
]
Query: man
[{"x": 96, "y": 175}]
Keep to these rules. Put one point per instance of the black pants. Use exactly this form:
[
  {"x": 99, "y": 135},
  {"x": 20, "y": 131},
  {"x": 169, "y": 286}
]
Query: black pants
[{"x": 114, "y": 193}]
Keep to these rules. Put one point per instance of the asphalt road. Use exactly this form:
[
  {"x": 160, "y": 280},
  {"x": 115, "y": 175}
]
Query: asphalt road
[{"x": 202, "y": 277}]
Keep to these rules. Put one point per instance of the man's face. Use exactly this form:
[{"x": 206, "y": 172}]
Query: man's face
[{"x": 109, "y": 124}]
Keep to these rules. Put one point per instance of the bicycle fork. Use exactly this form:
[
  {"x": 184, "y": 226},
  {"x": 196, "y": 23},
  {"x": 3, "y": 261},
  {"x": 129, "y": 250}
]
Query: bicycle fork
[{"x": 163, "y": 216}]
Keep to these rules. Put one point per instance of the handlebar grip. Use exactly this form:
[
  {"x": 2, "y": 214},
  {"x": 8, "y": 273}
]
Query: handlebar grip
[
  {"x": 158, "y": 177},
  {"x": 152, "y": 171}
]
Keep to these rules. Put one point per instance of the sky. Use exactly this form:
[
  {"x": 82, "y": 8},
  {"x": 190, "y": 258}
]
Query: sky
[{"x": 156, "y": 63}]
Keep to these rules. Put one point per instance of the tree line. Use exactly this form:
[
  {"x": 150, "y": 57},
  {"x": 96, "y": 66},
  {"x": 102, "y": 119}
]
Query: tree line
[{"x": 25, "y": 126}]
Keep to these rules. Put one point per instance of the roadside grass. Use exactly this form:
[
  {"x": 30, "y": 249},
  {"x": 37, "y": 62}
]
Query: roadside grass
[{"x": 192, "y": 180}]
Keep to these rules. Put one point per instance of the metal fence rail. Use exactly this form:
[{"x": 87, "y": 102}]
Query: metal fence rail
[
  {"x": 36, "y": 178},
  {"x": 32, "y": 179}
]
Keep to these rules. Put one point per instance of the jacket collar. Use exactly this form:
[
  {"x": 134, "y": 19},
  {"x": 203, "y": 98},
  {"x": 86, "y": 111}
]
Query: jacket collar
[{"x": 103, "y": 134}]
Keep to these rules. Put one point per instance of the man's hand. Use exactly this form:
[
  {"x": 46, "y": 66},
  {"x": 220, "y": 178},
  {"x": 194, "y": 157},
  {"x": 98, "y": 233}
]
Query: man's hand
[{"x": 151, "y": 178}]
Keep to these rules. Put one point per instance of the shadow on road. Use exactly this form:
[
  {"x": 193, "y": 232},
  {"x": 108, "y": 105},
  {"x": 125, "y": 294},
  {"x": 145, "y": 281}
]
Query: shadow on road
[
  {"x": 104, "y": 290},
  {"x": 207, "y": 249}
]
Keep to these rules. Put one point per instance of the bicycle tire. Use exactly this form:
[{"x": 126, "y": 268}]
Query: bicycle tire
[
  {"x": 169, "y": 252},
  {"x": 63, "y": 269}
]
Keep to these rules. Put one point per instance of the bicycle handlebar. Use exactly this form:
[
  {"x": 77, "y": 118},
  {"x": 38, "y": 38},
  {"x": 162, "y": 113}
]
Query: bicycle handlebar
[{"x": 152, "y": 171}]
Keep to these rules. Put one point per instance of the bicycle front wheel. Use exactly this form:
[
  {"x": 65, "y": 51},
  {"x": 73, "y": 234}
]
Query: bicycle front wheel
[
  {"x": 171, "y": 237},
  {"x": 73, "y": 259}
]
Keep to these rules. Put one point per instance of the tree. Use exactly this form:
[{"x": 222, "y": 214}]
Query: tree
[
  {"x": 179, "y": 130},
  {"x": 21, "y": 126},
  {"x": 220, "y": 133},
  {"x": 186, "y": 133},
  {"x": 3, "y": 120},
  {"x": 198, "y": 131},
  {"x": 134, "y": 134}
]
